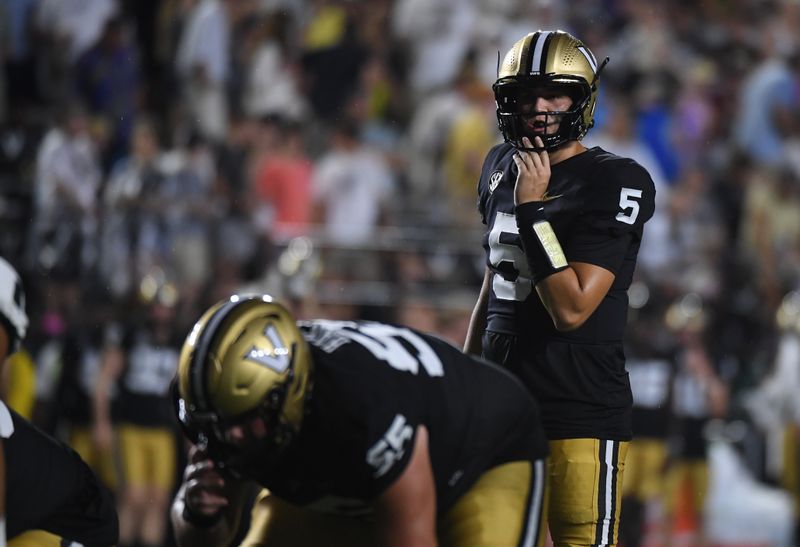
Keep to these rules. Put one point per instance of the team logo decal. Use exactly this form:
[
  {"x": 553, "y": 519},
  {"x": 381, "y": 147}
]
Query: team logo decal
[
  {"x": 275, "y": 357},
  {"x": 494, "y": 180}
]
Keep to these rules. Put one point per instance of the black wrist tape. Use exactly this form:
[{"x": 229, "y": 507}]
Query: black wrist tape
[
  {"x": 539, "y": 241},
  {"x": 200, "y": 521}
]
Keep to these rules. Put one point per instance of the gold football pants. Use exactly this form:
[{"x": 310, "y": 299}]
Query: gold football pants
[
  {"x": 645, "y": 467},
  {"x": 148, "y": 456},
  {"x": 506, "y": 507},
  {"x": 35, "y": 538},
  {"x": 585, "y": 479}
]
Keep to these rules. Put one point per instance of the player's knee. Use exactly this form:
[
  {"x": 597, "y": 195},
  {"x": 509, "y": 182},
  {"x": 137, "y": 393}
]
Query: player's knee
[
  {"x": 135, "y": 497},
  {"x": 157, "y": 497}
]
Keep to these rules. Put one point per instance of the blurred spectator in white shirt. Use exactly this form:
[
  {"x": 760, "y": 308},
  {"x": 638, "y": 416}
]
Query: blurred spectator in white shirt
[
  {"x": 78, "y": 24},
  {"x": 500, "y": 23},
  {"x": 271, "y": 85},
  {"x": 352, "y": 186},
  {"x": 438, "y": 34},
  {"x": 67, "y": 179},
  {"x": 123, "y": 202},
  {"x": 202, "y": 63}
]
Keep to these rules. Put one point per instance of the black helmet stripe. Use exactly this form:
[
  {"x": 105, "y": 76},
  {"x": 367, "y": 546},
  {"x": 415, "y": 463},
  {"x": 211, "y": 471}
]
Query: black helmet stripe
[
  {"x": 539, "y": 52},
  {"x": 200, "y": 357}
]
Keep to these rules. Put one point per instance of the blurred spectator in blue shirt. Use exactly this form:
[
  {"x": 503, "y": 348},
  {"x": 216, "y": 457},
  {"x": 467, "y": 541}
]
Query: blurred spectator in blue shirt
[
  {"x": 768, "y": 103},
  {"x": 107, "y": 79}
]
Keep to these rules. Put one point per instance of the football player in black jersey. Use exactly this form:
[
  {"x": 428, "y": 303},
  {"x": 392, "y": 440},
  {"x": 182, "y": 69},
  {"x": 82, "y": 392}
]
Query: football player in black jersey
[
  {"x": 364, "y": 433},
  {"x": 564, "y": 225},
  {"x": 50, "y": 493}
]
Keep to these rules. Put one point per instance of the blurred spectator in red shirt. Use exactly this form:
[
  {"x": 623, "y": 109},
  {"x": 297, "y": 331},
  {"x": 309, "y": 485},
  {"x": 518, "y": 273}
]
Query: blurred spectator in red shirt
[{"x": 282, "y": 184}]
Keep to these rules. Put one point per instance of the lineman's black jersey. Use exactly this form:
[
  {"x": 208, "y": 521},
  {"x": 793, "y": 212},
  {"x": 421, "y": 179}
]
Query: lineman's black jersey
[
  {"x": 374, "y": 384},
  {"x": 49, "y": 487},
  {"x": 599, "y": 205}
]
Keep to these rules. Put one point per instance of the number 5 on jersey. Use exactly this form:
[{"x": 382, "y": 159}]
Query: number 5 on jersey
[{"x": 505, "y": 253}]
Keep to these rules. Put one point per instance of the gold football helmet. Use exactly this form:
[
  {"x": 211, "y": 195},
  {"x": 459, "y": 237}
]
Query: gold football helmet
[
  {"x": 244, "y": 359},
  {"x": 547, "y": 59}
]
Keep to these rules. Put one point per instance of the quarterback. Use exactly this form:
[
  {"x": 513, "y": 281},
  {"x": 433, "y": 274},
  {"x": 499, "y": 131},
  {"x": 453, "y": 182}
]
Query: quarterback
[
  {"x": 563, "y": 228},
  {"x": 363, "y": 433}
]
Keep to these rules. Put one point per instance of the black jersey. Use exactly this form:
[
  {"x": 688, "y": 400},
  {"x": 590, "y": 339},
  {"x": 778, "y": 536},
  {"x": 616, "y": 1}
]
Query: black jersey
[
  {"x": 598, "y": 206},
  {"x": 374, "y": 384},
  {"x": 651, "y": 381},
  {"x": 81, "y": 359},
  {"x": 50, "y": 488},
  {"x": 143, "y": 395}
]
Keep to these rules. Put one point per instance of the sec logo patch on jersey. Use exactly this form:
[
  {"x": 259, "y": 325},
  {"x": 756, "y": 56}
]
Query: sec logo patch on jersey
[{"x": 495, "y": 179}]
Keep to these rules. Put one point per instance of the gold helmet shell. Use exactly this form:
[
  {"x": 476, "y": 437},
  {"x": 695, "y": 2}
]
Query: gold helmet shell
[
  {"x": 547, "y": 58},
  {"x": 245, "y": 355}
]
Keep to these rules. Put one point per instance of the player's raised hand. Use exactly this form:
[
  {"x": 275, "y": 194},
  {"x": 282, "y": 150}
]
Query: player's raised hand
[{"x": 533, "y": 172}]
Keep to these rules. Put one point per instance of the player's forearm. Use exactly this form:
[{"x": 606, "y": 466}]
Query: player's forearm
[
  {"x": 570, "y": 292},
  {"x": 565, "y": 300},
  {"x": 557, "y": 284},
  {"x": 572, "y": 296}
]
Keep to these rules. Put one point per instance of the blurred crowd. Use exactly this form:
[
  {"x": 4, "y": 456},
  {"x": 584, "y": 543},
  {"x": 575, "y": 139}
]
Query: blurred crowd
[{"x": 157, "y": 155}]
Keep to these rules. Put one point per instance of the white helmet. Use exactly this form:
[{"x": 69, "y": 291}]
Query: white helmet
[{"x": 12, "y": 304}]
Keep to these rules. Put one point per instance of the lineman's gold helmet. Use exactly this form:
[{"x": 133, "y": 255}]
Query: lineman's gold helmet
[{"x": 244, "y": 358}]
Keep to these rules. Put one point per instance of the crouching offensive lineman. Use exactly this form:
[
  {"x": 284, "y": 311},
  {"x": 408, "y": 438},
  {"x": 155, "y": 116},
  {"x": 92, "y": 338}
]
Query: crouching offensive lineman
[{"x": 362, "y": 433}]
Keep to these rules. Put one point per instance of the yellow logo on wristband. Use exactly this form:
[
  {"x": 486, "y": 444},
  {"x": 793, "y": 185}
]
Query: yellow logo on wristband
[{"x": 552, "y": 248}]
